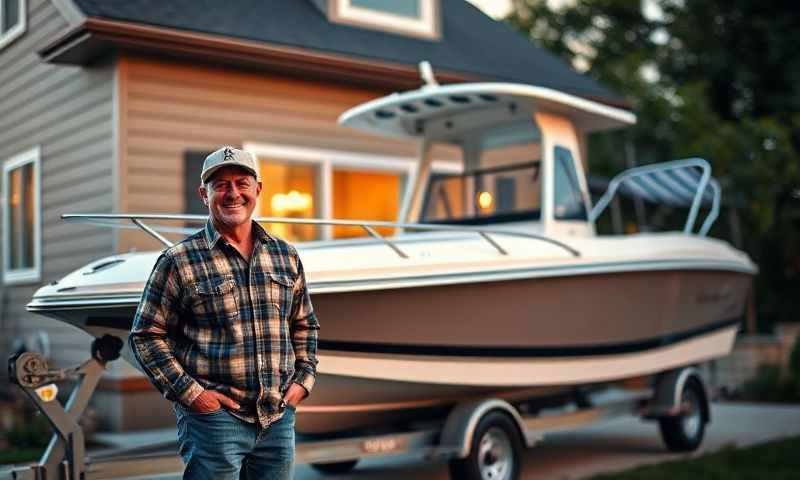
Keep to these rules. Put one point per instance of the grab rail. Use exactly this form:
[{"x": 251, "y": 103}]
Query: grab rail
[
  {"x": 108, "y": 220},
  {"x": 652, "y": 171}
]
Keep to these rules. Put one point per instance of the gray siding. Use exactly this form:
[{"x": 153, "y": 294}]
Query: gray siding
[{"x": 68, "y": 112}]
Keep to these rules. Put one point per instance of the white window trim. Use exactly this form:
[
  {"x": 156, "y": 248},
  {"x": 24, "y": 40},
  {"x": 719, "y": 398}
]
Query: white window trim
[
  {"x": 426, "y": 26},
  {"x": 27, "y": 275},
  {"x": 11, "y": 35},
  {"x": 326, "y": 160}
]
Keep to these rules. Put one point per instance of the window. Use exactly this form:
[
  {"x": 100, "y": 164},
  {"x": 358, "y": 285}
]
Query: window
[
  {"x": 299, "y": 182},
  {"x": 366, "y": 195},
  {"x": 21, "y": 227},
  {"x": 503, "y": 186},
  {"x": 569, "y": 204},
  {"x": 411, "y": 17},
  {"x": 12, "y": 20},
  {"x": 290, "y": 190}
]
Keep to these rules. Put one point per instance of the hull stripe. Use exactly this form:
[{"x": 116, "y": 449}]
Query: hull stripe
[{"x": 524, "y": 351}]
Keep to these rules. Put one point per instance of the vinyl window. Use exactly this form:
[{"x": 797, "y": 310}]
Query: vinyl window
[
  {"x": 12, "y": 20},
  {"x": 21, "y": 218}
]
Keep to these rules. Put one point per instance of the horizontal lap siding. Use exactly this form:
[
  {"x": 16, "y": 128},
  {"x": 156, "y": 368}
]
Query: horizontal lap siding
[
  {"x": 68, "y": 112},
  {"x": 170, "y": 109}
]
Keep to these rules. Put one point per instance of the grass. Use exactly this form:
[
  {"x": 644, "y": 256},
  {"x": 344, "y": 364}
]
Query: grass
[{"x": 777, "y": 460}]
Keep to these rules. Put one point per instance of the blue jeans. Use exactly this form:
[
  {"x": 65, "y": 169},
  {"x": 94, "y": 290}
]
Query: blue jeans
[{"x": 219, "y": 446}]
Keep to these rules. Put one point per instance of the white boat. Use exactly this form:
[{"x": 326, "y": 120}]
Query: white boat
[{"x": 495, "y": 282}]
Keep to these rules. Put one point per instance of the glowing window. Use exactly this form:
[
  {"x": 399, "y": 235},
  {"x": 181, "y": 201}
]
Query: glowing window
[
  {"x": 21, "y": 217},
  {"x": 290, "y": 190},
  {"x": 364, "y": 195}
]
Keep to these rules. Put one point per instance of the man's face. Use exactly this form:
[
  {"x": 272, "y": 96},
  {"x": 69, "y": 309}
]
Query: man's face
[{"x": 230, "y": 195}]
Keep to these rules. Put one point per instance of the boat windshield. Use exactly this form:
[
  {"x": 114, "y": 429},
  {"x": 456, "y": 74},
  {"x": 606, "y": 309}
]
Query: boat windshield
[{"x": 504, "y": 187}]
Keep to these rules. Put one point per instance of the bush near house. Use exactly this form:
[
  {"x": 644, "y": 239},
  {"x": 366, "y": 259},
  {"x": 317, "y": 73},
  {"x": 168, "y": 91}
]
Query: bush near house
[
  {"x": 771, "y": 385},
  {"x": 26, "y": 440}
]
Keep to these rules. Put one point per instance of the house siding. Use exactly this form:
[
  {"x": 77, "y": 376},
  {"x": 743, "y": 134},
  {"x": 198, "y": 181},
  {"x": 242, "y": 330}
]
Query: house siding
[
  {"x": 67, "y": 111},
  {"x": 169, "y": 109}
]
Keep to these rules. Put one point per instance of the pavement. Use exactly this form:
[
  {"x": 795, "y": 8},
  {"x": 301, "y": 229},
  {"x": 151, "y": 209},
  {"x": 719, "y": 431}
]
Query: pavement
[
  {"x": 610, "y": 446},
  {"x": 614, "y": 445}
]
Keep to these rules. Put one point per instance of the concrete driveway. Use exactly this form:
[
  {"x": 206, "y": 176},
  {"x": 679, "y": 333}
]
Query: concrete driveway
[{"x": 616, "y": 445}]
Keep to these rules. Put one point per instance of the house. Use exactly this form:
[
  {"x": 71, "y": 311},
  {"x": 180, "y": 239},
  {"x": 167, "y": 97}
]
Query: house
[{"x": 111, "y": 107}]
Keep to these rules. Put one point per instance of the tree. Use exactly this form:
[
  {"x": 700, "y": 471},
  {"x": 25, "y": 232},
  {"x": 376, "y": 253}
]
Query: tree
[{"x": 719, "y": 79}]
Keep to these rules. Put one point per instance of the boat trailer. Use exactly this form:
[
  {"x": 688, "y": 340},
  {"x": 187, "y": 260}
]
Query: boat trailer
[{"x": 480, "y": 439}]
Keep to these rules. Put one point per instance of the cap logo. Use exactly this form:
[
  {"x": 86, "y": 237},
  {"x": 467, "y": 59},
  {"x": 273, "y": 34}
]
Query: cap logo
[{"x": 228, "y": 155}]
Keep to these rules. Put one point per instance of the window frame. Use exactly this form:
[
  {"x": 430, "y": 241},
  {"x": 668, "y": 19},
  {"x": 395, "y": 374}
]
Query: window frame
[
  {"x": 17, "y": 30},
  {"x": 33, "y": 274},
  {"x": 326, "y": 160},
  {"x": 563, "y": 158},
  {"x": 428, "y": 26}
]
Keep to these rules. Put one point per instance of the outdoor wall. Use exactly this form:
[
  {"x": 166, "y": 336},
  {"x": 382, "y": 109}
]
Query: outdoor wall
[
  {"x": 67, "y": 112},
  {"x": 169, "y": 109}
]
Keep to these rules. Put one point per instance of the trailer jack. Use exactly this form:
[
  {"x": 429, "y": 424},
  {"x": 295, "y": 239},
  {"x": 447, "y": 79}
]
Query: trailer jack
[{"x": 64, "y": 456}]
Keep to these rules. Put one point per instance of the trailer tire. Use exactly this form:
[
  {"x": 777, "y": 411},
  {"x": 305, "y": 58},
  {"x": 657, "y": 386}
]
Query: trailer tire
[
  {"x": 684, "y": 432},
  {"x": 335, "y": 468},
  {"x": 495, "y": 451}
]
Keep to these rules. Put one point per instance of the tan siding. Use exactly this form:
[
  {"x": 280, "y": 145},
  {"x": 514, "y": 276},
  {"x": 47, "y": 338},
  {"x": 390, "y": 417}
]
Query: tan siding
[
  {"x": 171, "y": 109},
  {"x": 67, "y": 112}
]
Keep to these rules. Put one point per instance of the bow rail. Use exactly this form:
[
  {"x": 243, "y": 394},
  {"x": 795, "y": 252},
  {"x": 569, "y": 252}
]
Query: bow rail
[{"x": 114, "y": 220}]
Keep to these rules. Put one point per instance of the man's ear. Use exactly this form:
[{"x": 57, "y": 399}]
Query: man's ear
[
  {"x": 201, "y": 190},
  {"x": 258, "y": 188}
]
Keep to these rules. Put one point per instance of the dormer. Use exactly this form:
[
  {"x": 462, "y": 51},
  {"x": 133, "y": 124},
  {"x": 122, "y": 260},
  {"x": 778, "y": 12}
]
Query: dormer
[{"x": 414, "y": 18}]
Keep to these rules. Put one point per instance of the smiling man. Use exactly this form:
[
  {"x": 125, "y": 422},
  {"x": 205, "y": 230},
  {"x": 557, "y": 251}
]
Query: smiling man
[{"x": 225, "y": 329}]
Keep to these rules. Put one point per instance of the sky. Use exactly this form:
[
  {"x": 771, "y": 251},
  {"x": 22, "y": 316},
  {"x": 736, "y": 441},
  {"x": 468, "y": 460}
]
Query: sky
[{"x": 493, "y": 8}]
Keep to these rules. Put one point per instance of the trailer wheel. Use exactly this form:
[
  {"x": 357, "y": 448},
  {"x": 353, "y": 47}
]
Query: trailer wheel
[
  {"x": 684, "y": 432},
  {"x": 335, "y": 468},
  {"x": 495, "y": 451}
]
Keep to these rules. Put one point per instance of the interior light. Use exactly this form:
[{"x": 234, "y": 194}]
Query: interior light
[
  {"x": 485, "y": 200},
  {"x": 292, "y": 202}
]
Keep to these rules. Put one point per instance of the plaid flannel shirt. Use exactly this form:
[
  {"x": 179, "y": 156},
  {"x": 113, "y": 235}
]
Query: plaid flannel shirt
[{"x": 210, "y": 320}]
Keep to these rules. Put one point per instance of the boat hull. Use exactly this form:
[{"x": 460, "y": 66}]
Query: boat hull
[{"x": 394, "y": 354}]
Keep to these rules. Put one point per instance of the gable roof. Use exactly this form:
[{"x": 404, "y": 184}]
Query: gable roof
[{"x": 473, "y": 46}]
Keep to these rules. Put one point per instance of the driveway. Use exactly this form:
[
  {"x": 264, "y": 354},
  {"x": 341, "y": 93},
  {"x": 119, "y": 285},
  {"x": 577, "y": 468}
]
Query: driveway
[
  {"x": 611, "y": 446},
  {"x": 615, "y": 445}
]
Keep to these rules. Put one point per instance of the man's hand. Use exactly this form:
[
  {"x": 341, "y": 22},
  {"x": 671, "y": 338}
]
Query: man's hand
[
  {"x": 294, "y": 394},
  {"x": 211, "y": 401}
]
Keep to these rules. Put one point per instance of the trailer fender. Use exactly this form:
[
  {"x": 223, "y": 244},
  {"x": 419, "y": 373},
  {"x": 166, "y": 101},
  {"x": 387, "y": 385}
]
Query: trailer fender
[
  {"x": 668, "y": 389},
  {"x": 459, "y": 428}
]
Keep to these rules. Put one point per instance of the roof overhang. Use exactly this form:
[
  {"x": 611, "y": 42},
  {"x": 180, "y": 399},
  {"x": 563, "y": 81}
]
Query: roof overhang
[
  {"x": 448, "y": 112},
  {"x": 96, "y": 38}
]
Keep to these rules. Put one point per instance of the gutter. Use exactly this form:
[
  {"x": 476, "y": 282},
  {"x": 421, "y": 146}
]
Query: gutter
[{"x": 96, "y": 37}]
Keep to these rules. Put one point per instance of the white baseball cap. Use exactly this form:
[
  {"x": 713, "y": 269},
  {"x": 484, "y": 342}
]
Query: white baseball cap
[{"x": 226, "y": 157}]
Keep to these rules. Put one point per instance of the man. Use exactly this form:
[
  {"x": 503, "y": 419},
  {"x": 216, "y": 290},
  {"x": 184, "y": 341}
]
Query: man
[{"x": 225, "y": 329}]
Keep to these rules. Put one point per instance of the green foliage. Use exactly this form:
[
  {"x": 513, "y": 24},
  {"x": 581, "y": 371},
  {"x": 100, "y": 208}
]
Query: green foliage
[
  {"x": 30, "y": 434},
  {"x": 718, "y": 79},
  {"x": 770, "y": 386},
  {"x": 15, "y": 455},
  {"x": 794, "y": 363},
  {"x": 776, "y": 460}
]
